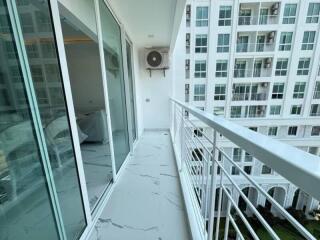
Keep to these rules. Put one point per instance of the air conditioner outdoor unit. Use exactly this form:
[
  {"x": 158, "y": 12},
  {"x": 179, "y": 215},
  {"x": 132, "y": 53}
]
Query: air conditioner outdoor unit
[
  {"x": 267, "y": 62},
  {"x": 264, "y": 84},
  {"x": 275, "y": 9},
  {"x": 157, "y": 58}
]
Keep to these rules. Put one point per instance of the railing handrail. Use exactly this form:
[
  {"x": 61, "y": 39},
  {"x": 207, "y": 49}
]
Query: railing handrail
[{"x": 299, "y": 167}]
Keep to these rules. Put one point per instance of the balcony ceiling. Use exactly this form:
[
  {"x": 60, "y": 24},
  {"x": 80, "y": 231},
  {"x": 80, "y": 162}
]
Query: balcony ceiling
[{"x": 150, "y": 22}]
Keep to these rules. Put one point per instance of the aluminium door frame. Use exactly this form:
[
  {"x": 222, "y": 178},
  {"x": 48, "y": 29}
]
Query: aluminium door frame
[
  {"x": 71, "y": 112},
  {"x": 35, "y": 115},
  {"x": 127, "y": 39}
]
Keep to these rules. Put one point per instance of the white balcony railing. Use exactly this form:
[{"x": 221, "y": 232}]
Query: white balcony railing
[
  {"x": 249, "y": 96},
  {"x": 252, "y": 72},
  {"x": 212, "y": 192},
  {"x": 255, "y": 47},
  {"x": 258, "y": 20}
]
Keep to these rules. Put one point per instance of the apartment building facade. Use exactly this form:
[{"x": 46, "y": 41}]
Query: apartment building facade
[{"x": 256, "y": 63}]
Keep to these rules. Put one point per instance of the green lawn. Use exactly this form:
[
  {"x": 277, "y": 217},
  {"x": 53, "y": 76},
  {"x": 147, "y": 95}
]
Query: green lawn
[{"x": 285, "y": 231}]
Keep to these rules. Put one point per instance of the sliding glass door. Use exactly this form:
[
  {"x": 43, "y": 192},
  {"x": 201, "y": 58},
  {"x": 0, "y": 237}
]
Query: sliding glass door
[
  {"x": 111, "y": 38},
  {"x": 25, "y": 205},
  {"x": 131, "y": 90},
  {"x": 40, "y": 195},
  {"x": 82, "y": 51}
]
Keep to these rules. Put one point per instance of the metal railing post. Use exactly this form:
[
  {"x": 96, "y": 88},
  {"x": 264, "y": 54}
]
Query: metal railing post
[
  {"x": 219, "y": 208},
  {"x": 213, "y": 187},
  {"x": 226, "y": 227},
  {"x": 182, "y": 139}
]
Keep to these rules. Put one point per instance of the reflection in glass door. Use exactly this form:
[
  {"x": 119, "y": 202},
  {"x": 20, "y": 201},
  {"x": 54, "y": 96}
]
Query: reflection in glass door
[
  {"x": 43, "y": 64},
  {"x": 131, "y": 90},
  {"x": 84, "y": 66},
  {"x": 111, "y": 38},
  {"x": 25, "y": 206}
]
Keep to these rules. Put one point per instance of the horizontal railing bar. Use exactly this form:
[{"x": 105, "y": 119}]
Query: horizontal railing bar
[
  {"x": 205, "y": 136},
  {"x": 301, "y": 168}
]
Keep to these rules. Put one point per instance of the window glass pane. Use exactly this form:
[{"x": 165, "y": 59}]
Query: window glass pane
[
  {"x": 114, "y": 68},
  {"x": 54, "y": 118},
  {"x": 82, "y": 52},
  {"x": 25, "y": 208}
]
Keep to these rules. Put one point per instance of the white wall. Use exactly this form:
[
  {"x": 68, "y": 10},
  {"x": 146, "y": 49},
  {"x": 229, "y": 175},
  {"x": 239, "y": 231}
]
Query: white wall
[{"x": 155, "y": 114}]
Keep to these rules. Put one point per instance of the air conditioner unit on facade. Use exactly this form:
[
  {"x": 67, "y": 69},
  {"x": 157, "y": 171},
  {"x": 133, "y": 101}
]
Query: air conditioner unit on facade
[
  {"x": 157, "y": 58},
  {"x": 267, "y": 63}
]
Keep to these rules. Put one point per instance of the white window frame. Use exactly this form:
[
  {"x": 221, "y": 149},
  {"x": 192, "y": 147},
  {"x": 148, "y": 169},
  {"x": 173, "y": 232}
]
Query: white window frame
[
  {"x": 282, "y": 67},
  {"x": 299, "y": 90},
  {"x": 202, "y": 72},
  {"x": 275, "y": 110},
  {"x": 221, "y": 69},
  {"x": 276, "y": 93},
  {"x": 203, "y": 40},
  {"x": 303, "y": 66},
  {"x": 289, "y": 18},
  {"x": 273, "y": 131},
  {"x": 202, "y": 19},
  {"x": 199, "y": 92},
  {"x": 296, "y": 109},
  {"x": 313, "y": 12},
  {"x": 220, "y": 92},
  {"x": 224, "y": 47},
  {"x": 223, "y": 11},
  {"x": 285, "y": 41},
  {"x": 308, "y": 40}
]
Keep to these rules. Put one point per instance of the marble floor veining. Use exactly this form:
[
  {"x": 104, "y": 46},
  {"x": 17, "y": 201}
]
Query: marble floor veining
[{"x": 147, "y": 201}]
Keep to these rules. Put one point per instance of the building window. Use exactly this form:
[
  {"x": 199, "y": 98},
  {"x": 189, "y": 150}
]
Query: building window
[
  {"x": 308, "y": 40},
  {"x": 292, "y": 130},
  {"x": 235, "y": 171},
  {"x": 222, "y": 68},
  {"x": 200, "y": 69},
  {"x": 316, "y": 94},
  {"x": 220, "y": 92},
  {"x": 248, "y": 157},
  {"x": 289, "y": 15},
  {"x": 237, "y": 154},
  {"x": 202, "y": 17},
  {"x": 266, "y": 170},
  {"x": 201, "y": 43},
  {"x": 235, "y": 112},
  {"x": 272, "y": 131},
  {"x": 285, "y": 41},
  {"x": 247, "y": 169},
  {"x": 197, "y": 154},
  {"x": 277, "y": 91},
  {"x": 299, "y": 88},
  {"x": 296, "y": 109},
  {"x": 275, "y": 109},
  {"x": 199, "y": 92},
  {"x": 225, "y": 16},
  {"x": 315, "y": 110},
  {"x": 303, "y": 66},
  {"x": 315, "y": 131},
  {"x": 223, "y": 43},
  {"x": 313, "y": 13},
  {"x": 281, "y": 67},
  {"x": 219, "y": 111}
]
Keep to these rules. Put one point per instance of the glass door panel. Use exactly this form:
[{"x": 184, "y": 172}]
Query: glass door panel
[
  {"x": 40, "y": 45},
  {"x": 25, "y": 206},
  {"x": 131, "y": 90},
  {"x": 114, "y": 68},
  {"x": 82, "y": 52}
]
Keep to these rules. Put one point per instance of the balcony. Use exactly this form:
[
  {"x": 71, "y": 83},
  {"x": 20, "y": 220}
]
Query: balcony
[
  {"x": 223, "y": 198},
  {"x": 252, "y": 72},
  {"x": 255, "y": 13},
  {"x": 258, "y": 20},
  {"x": 255, "y": 47}
]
